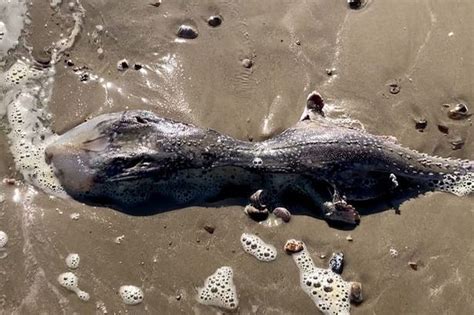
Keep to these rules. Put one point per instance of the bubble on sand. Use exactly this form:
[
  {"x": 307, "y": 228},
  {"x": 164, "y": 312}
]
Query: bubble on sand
[
  {"x": 131, "y": 295},
  {"x": 83, "y": 295},
  {"x": 3, "y": 239},
  {"x": 327, "y": 289},
  {"x": 219, "y": 290},
  {"x": 72, "y": 260},
  {"x": 19, "y": 73},
  {"x": 256, "y": 247},
  {"x": 70, "y": 281}
]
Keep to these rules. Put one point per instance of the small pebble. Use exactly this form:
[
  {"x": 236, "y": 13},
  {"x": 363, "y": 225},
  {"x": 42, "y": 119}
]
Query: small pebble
[
  {"x": 460, "y": 111},
  {"x": 256, "y": 214},
  {"x": 457, "y": 143},
  {"x": 119, "y": 239},
  {"x": 209, "y": 228},
  {"x": 354, "y": 4},
  {"x": 137, "y": 66},
  {"x": 356, "y": 292},
  {"x": 247, "y": 63},
  {"x": 443, "y": 129},
  {"x": 75, "y": 216},
  {"x": 298, "y": 43},
  {"x": 331, "y": 71},
  {"x": 122, "y": 65},
  {"x": 293, "y": 246},
  {"x": 349, "y": 238},
  {"x": 257, "y": 201},
  {"x": 187, "y": 31},
  {"x": 336, "y": 263},
  {"x": 214, "y": 20},
  {"x": 394, "y": 88},
  {"x": 413, "y": 265},
  {"x": 421, "y": 124},
  {"x": 282, "y": 213},
  {"x": 156, "y": 4},
  {"x": 9, "y": 181}
]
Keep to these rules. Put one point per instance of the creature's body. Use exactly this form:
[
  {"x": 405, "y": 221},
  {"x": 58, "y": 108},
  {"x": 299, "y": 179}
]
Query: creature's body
[{"x": 134, "y": 157}]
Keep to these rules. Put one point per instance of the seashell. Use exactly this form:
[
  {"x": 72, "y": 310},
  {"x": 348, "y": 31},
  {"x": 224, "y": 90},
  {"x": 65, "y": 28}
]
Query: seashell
[
  {"x": 356, "y": 292},
  {"x": 293, "y": 246},
  {"x": 187, "y": 31},
  {"x": 256, "y": 200},
  {"x": 214, "y": 20},
  {"x": 460, "y": 111},
  {"x": 336, "y": 263},
  {"x": 256, "y": 214},
  {"x": 282, "y": 213}
]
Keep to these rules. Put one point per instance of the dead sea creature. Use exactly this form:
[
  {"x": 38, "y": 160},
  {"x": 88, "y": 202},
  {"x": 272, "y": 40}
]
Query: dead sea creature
[{"x": 135, "y": 157}]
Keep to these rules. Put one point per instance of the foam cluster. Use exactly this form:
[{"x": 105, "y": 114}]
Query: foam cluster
[
  {"x": 219, "y": 290},
  {"x": 3, "y": 239},
  {"x": 70, "y": 281},
  {"x": 459, "y": 185},
  {"x": 18, "y": 74},
  {"x": 327, "y": 289},
  {"x": 255, "y": 246},
  {"x": 131, "y": 295},
  {"x": 72, "y": 261},
  {"x": 28, "y": 119}
]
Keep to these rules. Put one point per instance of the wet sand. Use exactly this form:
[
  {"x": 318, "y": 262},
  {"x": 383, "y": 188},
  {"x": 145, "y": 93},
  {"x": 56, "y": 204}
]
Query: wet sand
[{"x": 203, "y": 81}]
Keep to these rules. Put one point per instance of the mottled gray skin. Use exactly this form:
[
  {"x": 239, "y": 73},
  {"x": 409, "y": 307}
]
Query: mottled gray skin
[{"x": 134, "y": 157}]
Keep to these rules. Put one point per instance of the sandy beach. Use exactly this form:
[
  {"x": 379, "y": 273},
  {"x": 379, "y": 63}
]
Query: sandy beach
[{"x": 388, "y": 65}]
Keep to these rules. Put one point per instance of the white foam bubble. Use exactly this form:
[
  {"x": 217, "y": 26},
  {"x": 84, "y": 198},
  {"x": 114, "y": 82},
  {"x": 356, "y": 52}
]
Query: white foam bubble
[
  {"x": 70, "y": 281},
  {"x": 219, "y": 290},
  {"x": 72, "y": 260},
  {"x": 131, "y": 295},
  {"x": 256, "y": 247},
  {"x": 459, "y": 185},
  {"x": 83, "y": 295},
  {"x": 28, "y": 90},
  {"x": 3, "y": 239},
  {"x": 327, "y": 289}
]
